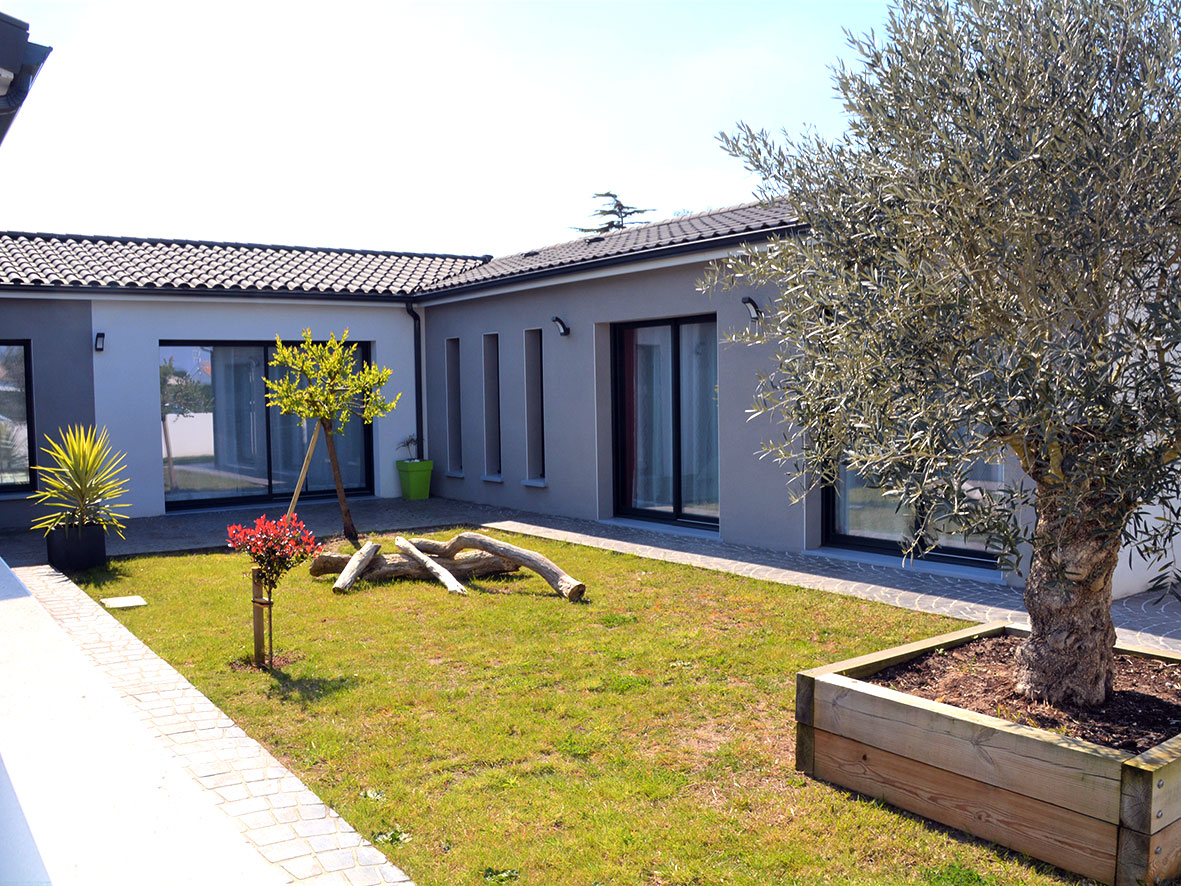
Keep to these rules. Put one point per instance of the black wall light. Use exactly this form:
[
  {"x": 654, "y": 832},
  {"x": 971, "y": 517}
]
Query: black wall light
[
  {"x": 100, "y": 341},
  {"x": 752, "y": 308},
  {"x": 563, "y": 329}
]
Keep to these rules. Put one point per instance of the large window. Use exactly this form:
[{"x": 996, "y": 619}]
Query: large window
[
  {"x": 666, "y": 419},
  {"x": 220, "y": 441},
  {"x": 859, "y": 516},
  {"x": 16, "y": 416}
]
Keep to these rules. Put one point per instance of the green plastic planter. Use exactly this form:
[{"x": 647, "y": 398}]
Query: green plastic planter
[{"x": 416, "y": 479}]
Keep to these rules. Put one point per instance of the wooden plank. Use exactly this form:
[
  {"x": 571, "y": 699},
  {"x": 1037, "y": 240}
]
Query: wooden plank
[
  {"x": 1166, "y": 862},
  {"x": 1148, "y": 858},
  {"x": 805, "y": 749},
  {"x": 1131, "y": 858},
  {"x": 871, "y": 663},
  {"x": 1060, "y": 836},
  {"x": 1151, "y": 793},
  {"x": 1064, "y": 771}
]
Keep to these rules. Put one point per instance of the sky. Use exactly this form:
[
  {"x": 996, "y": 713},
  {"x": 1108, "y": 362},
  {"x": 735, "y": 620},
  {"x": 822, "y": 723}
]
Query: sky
[{"x": 469, "y": 128}]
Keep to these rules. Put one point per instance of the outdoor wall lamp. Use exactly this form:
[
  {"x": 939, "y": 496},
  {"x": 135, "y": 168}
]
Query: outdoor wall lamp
[
  {"x": 752, "y": 308},
  {"x": 563, "y": 329},
  {"x": 100, "y": 340}
]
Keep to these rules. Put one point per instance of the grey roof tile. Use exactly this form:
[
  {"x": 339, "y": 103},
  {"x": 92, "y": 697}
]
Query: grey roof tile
[
  {"x": 56, "y": 261},
  {"x": 49, "y": 261},
  {"x": 701, "y": 228}
]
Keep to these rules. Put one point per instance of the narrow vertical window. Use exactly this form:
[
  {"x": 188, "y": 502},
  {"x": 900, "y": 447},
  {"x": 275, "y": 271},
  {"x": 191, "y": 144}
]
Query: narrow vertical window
[
  {"x": 534, "y": 408},
  {"x": 15, "y": 416},
  {"x": 454, "y": 418},
  {"x": 492, "y": 405}
]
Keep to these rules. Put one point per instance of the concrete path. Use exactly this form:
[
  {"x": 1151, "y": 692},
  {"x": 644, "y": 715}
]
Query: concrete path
[{"x": 118, "y": 771}]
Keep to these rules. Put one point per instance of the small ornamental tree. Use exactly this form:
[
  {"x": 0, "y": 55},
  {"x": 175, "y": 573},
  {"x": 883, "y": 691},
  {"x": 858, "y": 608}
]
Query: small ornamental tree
[
  {"x": 616, "y": 214},
  {"x": 275, "y": 547},
  {"x": 325, "y": 383},
  {"x": 992, "y": 272}
]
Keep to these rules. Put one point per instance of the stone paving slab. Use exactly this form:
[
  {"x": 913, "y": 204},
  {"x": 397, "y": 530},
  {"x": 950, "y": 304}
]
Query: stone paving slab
[{"x": 289, "y": 825}]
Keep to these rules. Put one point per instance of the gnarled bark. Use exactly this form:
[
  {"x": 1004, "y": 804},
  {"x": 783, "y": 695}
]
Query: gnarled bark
[
  {"x": 469, "y": 564},
  {"x": 1068, "y": 657}
]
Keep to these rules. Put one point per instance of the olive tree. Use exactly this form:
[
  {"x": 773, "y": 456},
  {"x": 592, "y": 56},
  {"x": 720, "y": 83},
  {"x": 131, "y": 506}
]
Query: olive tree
[
  {"x": 990, "y": 271},
  {"x": 325, "y": 383}
]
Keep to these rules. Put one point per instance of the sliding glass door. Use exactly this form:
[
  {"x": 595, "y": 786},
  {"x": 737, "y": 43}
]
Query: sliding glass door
[
  {"x": 666, "y": 419},
  {"x": 221, "y": 442}
]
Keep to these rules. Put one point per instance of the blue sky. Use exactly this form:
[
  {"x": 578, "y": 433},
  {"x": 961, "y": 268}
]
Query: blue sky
[{"x": 462, "y": 127}]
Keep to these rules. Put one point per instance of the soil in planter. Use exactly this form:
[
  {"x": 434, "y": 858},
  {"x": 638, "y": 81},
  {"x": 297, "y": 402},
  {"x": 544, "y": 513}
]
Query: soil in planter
[{"x": 1144, "y": 708}]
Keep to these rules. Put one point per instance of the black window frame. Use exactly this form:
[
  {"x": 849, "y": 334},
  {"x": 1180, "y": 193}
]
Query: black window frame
[
  {"x": 618, "y": 444},
  {"x": 31, "y": 435},
  {"x": 270, "y": 497},
  {"x": 830, "y": 537}
]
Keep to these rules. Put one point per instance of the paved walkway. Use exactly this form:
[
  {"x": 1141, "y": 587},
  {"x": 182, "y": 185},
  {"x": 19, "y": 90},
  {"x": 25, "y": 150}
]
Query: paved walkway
[
  {"x": 73, "y": 805},
  {"x": 275, "y": 821}
]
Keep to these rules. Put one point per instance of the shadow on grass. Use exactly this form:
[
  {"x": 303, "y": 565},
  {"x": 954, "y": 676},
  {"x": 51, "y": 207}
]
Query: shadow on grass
[
  {"x": 306, "y": 691},
  {"x": 113, "y": 571}
]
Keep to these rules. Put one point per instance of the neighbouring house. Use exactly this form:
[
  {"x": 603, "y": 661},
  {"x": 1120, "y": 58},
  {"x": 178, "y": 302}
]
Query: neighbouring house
[
  {"x": 20, "y": 61},
  {"x": 589, "y": 379}
]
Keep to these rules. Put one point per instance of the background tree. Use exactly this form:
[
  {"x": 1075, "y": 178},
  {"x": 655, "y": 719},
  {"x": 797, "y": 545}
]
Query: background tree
[
  {"x": 325, "y": 383},
  {"x": 615, "y": 213},
  {"x": 991, "y": 273},
  {"x": 180, "y": 394}
]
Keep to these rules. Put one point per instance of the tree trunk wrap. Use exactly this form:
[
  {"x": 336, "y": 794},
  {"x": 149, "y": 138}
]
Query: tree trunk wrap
[
  {"x": 346, "y": 517},
  {"x": 1069, "y": 655}
]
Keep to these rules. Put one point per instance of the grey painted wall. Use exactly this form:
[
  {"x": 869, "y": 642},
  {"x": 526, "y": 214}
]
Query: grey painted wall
[
  {"x": 754, "y": 504},
  {"x": 62, "y": 345}
]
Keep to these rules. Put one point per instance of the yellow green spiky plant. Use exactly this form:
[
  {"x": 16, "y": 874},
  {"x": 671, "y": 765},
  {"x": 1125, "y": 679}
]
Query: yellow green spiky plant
[{"x": 81, "y": 484}]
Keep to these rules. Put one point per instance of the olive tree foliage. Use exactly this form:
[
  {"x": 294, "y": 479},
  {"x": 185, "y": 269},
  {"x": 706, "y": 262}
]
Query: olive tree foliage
[
  {"x": 992, "y": 271},
  {"x": 325, "y": 383}
]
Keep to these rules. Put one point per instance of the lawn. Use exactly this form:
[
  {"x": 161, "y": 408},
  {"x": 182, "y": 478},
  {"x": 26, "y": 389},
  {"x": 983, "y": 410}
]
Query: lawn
[{"x": 642, "y": 737}]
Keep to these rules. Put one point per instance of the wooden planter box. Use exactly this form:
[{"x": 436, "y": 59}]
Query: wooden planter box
[{"x": 1092, "y": 810}]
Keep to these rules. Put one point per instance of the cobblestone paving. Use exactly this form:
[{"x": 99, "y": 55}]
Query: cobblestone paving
[
  {"x": 288, "y": 824},
  {"x": 1140, "y": 620}
]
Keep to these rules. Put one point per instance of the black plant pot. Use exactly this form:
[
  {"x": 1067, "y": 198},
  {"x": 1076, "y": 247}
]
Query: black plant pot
[{"x": 76, "y": 548}]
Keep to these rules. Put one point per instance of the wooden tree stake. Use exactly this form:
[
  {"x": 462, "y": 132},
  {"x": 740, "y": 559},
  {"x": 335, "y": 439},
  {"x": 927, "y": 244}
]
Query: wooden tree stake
[
  {"x": 259, "y": 604},
  {"x": 303, "y": 472},
  {"x": 356, "y": 565},
  {"x": 446, "y": 578}
]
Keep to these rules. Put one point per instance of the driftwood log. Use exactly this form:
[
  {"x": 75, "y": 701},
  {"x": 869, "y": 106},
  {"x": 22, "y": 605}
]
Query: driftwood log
[
  {"x": 440, "y": 574},
  {"x": 356, "y": 566},
  {"x": 467, "y": 555},
  {"x": 470, "y": 564},
  {"x": 568, "y": 587}
]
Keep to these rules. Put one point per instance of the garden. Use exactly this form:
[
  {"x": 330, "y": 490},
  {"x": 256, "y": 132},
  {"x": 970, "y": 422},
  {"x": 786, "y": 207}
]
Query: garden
[{"x": 642, "y": 736}]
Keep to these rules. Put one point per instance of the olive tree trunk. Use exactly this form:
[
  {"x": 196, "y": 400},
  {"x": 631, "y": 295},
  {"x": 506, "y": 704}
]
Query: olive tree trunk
[
  {"x": 1068, "y": 656},
  {"x": 346, "y": 516}
]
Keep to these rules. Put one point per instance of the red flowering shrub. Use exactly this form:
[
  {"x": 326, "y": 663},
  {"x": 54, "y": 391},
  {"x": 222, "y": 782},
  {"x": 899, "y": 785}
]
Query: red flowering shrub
[{"x": 275, "y": 546}]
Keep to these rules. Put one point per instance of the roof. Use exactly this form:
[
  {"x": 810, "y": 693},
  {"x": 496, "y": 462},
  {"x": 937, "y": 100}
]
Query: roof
[
  {"x": 56, "y": 261},
  {"x": 73, "y": 262},
  {"x": 702, "y": 230}
]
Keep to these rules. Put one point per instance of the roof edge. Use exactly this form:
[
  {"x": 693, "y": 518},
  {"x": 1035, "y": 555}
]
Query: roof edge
[
  {"x": 168, "y": 241},
  {"x": 440, "y": 289}
]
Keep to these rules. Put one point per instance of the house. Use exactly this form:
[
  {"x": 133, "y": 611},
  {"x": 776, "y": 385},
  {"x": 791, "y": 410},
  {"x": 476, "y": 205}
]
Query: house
[{"x": 589, "y": 379}]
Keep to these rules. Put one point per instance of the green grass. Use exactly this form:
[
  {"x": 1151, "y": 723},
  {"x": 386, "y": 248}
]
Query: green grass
[{"x": 643, "y": 737}]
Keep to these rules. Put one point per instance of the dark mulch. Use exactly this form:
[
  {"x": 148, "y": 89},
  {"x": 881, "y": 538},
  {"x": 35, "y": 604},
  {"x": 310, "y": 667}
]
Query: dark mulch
[{"x": 1144, "y": 708}]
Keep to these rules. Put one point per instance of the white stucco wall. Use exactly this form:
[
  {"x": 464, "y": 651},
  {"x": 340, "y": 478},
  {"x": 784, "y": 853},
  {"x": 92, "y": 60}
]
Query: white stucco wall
[{"x": 127, "y": 376}]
